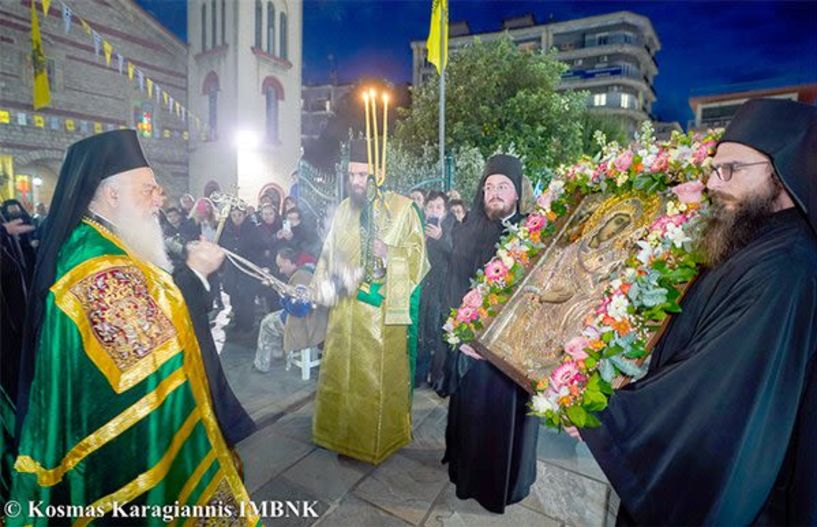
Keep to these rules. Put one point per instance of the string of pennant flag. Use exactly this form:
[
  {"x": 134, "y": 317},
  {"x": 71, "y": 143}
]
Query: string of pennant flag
[
  {"x": 123, "y": 66},
  {"x": 80, "y": 126}
]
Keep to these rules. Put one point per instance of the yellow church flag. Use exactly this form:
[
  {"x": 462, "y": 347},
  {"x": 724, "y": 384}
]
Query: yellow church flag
[
  {"x": 42, "y": 92},
  {"x": 437, "y": 43},
  {"x": 85, "y": 25},
  {"x": 97, "y": 128},
  {"x": 178, "y": 108},
  {"x": 39, "y": 121},
  {"x": 130, "y": 70},
  {"x": 164, "y": 96},
  {"x": 5, "y": 117},
  {"x": 108, "y": 50},
  {"x": 46, "y": 5},
  {"x": 69, "y": 125},
  {"x": 150, "y": 88}
]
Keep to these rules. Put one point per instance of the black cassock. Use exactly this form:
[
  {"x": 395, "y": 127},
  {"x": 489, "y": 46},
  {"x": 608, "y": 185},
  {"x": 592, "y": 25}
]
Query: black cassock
[
  {"x": 723, "y": 428},
  {"x": 233, "y": 419},
  {"x": 490, "y": 439}
]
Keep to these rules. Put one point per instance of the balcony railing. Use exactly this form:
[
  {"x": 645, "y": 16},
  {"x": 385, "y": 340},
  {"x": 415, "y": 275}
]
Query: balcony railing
[{"x": 621, "y": 70}]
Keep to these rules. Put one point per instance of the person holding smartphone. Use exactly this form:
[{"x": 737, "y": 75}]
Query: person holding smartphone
[{"x": 430, "y": 344}]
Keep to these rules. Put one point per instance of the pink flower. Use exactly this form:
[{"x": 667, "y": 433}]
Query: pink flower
[
  {"x": 575, "y": 348},
  {"x": 467, "y": 314},
  {"x": 624, "y": 161},
  {"x": 535, "y": 222},
  {"x": 700, "y": 154},
  {"x": 544, "y": 200},
  {"x": 473, "y": 299},
  {"x": 661, "y": 163},
  {"x": 496, "y": 271},
  {"x": 660, "y": 224},
  {"x": 566, "y": 374},
  {"x": 689, "y": 192}
]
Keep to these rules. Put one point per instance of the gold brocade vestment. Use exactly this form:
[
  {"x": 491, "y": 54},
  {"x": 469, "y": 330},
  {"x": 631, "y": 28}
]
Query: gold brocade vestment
[{"x": 363, "y": 405}]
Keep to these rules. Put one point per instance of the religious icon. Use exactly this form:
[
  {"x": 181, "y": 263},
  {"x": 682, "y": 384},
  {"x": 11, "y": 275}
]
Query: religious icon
[{"x": 551, "y": 304}]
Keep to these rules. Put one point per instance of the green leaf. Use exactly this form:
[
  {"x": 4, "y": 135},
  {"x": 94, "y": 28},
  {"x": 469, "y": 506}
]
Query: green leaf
[
  {"x": 607, "y": 337},
  {"x": 577, "y": 415}
]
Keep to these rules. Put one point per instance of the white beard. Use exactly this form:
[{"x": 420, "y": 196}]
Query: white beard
[{"x": 142, "y": 235}]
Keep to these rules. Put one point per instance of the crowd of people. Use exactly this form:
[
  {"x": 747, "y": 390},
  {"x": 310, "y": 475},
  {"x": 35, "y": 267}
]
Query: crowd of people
[{"x": 116, "y": 330}]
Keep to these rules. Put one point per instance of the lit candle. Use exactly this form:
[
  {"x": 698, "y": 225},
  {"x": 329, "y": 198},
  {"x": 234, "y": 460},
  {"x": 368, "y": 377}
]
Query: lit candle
[
  {"x": 373, "y": 97},
  {"x": 385, "y": 137},
  {"x": 368, "y": 134}
]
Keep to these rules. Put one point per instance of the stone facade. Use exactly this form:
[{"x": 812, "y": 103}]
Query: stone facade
[
  {"x": 85, "y": 91},
  {"x": 244, "y": 72}
]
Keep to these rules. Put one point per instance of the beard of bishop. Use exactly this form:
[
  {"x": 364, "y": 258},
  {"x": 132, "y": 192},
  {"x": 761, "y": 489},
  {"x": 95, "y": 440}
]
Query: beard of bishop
[
  {"x": 141, "y": 232},
  {"x": 728, "y": 231}
]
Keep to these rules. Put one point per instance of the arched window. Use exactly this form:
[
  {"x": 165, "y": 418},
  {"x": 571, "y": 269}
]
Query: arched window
[
  {"x": 270, "y": 28},
  {"x": 258, "y": 20},
  {"x": 273, "y": 93},
  {"x": 223, "y": 22},
  {"x": 272, "y": 115},
  {"x": 283, "y": 30},
  {"x": 210, "y": 88},
  {"x": 203, "y": 26},
  {"x": 213, "y": 24}
]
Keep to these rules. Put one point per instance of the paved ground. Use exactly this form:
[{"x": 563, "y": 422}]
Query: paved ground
[{"x": 411, "y": 487}]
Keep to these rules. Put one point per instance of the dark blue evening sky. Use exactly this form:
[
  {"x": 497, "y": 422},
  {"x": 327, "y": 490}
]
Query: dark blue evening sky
[{"x": 706, "y": 46}]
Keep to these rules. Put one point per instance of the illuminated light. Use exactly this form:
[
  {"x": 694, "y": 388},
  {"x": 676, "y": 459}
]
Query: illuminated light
[{"x": 246, "y": 139}]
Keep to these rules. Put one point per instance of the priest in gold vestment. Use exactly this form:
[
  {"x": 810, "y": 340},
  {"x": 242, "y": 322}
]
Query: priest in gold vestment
[{"x": 363, "y": 404}]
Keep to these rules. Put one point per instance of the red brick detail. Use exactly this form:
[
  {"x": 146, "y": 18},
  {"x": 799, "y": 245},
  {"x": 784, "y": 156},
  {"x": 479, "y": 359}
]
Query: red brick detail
[
  {"x": 282, "y": 62},
  {"x": 271, "y": 82},
  {"x": 210, "y": 83}
]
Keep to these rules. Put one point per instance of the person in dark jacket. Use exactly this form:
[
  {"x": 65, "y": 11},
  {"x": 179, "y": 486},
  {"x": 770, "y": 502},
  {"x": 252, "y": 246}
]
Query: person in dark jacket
[
  {"x": 431, "y": 347},
  {"x": 490, "y": 438},
  {"x": 238, "y": 236}
]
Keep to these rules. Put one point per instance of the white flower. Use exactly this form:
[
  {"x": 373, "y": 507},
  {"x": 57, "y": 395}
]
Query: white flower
[
  {"x": 615, "y": 284},
  {"x": 452, "y": 339},
  {"x": 618, "y": 307},
  {"x": 682, "y": 153},
  {"x": 677, "y": 235},
  {"x": 672, "y": 208},
  {"x": 556, "y": 188},
  {"x": 644, "y": 253},
  {"x": 507, "y": 261},
  {"x": 542, "y": 404}
]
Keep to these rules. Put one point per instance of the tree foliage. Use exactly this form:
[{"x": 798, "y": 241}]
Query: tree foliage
[{"x": 499, "y": 98}]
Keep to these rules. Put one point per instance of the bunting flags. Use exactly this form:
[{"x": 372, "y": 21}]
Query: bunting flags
[
  {"x": 66, "y": 18},
  {"x": 107, "y": 49},
  {"x": 41, "y": 89},
  {"x": 97, "y": 43}
]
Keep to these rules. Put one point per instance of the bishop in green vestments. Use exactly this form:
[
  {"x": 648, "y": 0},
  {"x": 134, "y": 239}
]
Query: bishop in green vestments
[{"x": 118, "y": 409}]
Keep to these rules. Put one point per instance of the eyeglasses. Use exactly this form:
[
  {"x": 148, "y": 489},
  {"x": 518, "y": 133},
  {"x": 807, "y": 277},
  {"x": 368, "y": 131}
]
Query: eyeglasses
[
  {"x": 502, "y": 187},
  {"x": 724, "y": 171}
]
